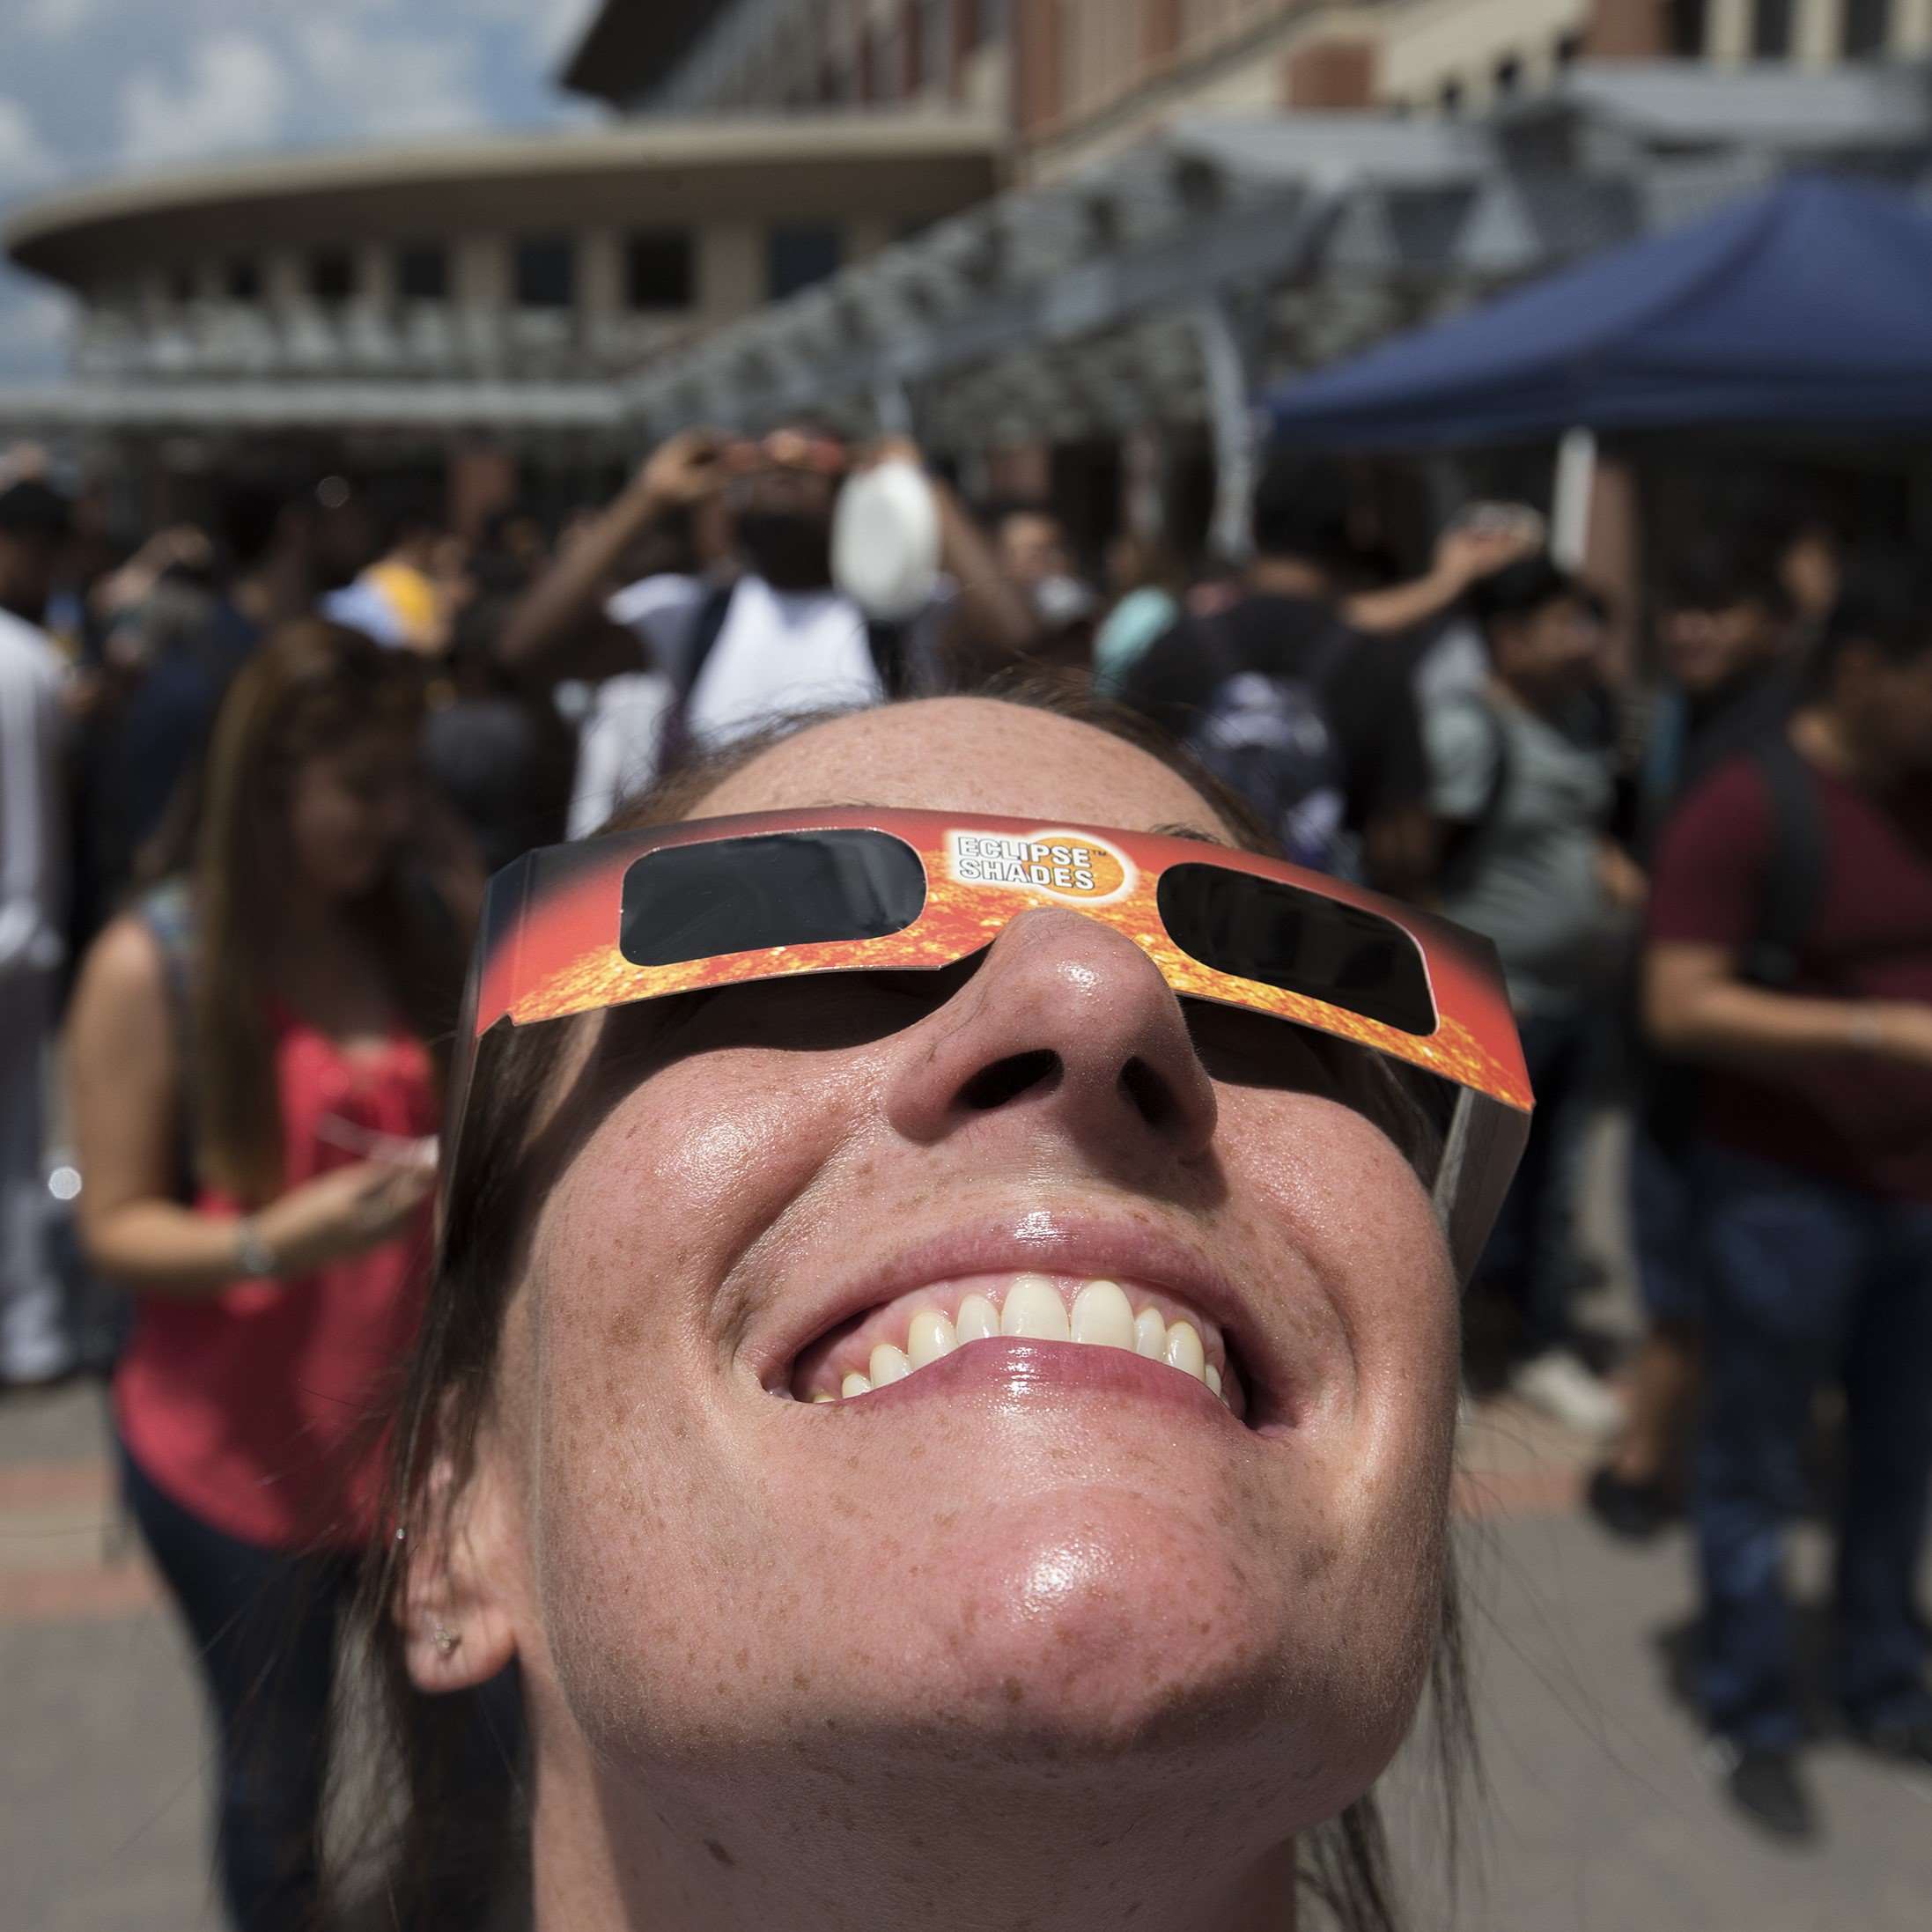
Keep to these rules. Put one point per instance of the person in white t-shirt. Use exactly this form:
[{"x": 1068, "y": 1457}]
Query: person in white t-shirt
[
  {"x": 766, "y": 635},
  {"x": 35, "y": 1342}
]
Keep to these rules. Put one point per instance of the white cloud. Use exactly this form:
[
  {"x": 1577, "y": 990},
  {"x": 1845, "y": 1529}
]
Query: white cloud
[
  {"x": 384, "y": 84},
  {"x": 56, "y": 19},
  {"x": 25, "y": 158},
  {"x": 236, "y": 95}
]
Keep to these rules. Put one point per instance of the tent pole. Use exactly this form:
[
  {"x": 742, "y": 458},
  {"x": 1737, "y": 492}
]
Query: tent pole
[
  {"x": 1570, "y": 497},
  {"x": 1232, "y": 419}
]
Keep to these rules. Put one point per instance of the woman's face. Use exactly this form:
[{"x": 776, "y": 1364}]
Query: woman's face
[
  {"x": 350, "y": 808},
  {"x": 1026, "y": 1562}
]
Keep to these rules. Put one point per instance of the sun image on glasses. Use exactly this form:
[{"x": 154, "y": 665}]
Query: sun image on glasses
[{"x": 717, "y": 902}]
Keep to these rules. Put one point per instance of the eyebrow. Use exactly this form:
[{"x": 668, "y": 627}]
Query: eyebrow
[{"x": 1192, "y": 832}]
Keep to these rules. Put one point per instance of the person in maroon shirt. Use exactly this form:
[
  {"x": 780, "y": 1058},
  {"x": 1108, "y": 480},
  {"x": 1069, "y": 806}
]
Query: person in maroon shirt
[{"x": 1812, "y": 1164}]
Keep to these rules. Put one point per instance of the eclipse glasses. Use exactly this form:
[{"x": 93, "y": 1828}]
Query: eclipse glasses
[{"x": 731, "y": 902}]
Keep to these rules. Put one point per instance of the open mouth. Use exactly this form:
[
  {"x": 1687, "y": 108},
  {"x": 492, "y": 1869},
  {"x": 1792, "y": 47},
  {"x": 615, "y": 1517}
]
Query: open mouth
[{"x": 890, "y": 1343}]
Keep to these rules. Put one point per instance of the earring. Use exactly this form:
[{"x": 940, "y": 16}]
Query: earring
[{"x": 445, "y": 1639}]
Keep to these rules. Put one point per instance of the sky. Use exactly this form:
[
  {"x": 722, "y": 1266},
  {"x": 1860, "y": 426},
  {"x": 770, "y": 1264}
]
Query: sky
[{"x": 92, "y": 89}]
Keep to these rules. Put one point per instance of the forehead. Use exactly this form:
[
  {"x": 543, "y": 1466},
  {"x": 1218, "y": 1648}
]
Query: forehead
[{"x": 969, "y": 755}]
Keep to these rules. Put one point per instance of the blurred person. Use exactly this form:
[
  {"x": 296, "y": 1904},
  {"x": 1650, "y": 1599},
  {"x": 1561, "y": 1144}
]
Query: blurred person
[
  {"x": 1524, "y": 783},
  {"x": 253, "y": 1088},
  {"x": 774, "y": 635},
  {"x": 407, "y": 596},
  {"x": 1062, "y": 1636},
  {"x": 1144, "y": 581},
  {"x": 495, "y": 749},
  {"x": 1029, "y": 541},
  {"x": 1280, "y": 698},
  {"x": 36, "y": 1342},
  {"x": 1790, "y": 958},
  {"x": 1730, "y": 679}
]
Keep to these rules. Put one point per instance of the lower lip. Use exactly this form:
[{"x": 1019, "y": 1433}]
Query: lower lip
[{"x": 1017, "y": 1369}]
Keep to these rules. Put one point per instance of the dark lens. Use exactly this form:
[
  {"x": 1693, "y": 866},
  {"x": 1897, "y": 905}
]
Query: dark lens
[
  {"x": 788, "y": 888},
  {"x": 1278, "y": 934}
]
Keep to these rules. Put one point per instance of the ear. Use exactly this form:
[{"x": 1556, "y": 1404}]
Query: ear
[{"x": 459, "y": 1628}]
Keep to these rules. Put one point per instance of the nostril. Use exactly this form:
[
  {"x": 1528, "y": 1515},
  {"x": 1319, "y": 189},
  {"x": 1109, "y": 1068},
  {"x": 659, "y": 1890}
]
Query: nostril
[
  {"x": 1007, "y": 1079},
  {"x": 1150, "y": 1096}
]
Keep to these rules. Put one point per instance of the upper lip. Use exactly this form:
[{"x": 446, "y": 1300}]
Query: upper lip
[{"x": 1093, "y": 1245}]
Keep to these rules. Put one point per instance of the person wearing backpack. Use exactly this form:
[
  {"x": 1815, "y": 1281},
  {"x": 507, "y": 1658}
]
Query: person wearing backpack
[
  {"x": 1524, "y": 781},
  {"x": 763, "y": 631},
  {"x": 1812, "y": 1164},
  {"x": 1284, "y": 699}
]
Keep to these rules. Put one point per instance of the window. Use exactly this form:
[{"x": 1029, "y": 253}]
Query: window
[
  {"x": 660, "y": 269},
  {"x": 242, "y": 282},
  {"x": 1452, "y": 97},
  {"x": 1569, "y": 50},
  {"x": 422, "y": 273},
  {"x": 1771, "y": 29},
  {"x": 331, "y": 278},
  {"x": 180, "y": 287},
  {"x": 1509, "y": 77},
  {"x": 989, "y": 21},
  {"x": 546, "y": 272},
  {"x": 798, "y": 256},
  {"x": 1688, "y": 25},
  {"x": 1868, "y": 28}
]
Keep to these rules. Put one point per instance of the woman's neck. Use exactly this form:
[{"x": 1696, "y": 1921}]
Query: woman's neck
[{"x": 837, "y": 1853}]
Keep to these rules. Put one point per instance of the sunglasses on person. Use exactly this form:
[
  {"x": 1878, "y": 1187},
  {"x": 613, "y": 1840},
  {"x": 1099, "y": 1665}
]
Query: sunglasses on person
[{"x": 732, "y": 901}]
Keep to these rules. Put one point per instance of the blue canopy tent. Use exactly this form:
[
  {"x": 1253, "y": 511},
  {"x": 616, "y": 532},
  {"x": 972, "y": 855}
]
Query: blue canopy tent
[{"x": 1810, "y": 304}]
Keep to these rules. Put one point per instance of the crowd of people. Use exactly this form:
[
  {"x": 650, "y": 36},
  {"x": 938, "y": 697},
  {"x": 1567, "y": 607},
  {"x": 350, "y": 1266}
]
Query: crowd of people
[{"x": 257, "y": 771}]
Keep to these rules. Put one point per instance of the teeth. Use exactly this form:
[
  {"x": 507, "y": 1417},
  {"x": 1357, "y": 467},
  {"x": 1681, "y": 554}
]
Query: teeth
[
  {"x": 1104, "y": 1314},
  {"x": 931, "y": 1336},
  {"x": 1185, "y": 1352},
  {"x": 1150, "y": 1335},
  {"x": 1102, "y": 1318},
  {"x": 1034, "y": 1308},
  {"x": 978, "y": 1320}
]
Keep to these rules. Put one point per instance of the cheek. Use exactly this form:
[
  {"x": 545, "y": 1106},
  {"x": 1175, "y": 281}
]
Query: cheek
[{"x": 637, "y": 1518}]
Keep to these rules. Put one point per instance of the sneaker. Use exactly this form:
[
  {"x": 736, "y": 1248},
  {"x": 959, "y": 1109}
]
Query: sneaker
[
  {"x": 1634, "y": 1511},
  {"x": 1564, "y": 1390},
  {"x": 1763, "y": 1784}
]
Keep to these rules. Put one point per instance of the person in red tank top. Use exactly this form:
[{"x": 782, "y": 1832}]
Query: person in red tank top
[{"x": 255, "y": 1103}]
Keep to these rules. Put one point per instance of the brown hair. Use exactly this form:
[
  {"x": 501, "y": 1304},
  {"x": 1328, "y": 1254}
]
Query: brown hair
[
  {"x": 310, "y": 689},
  {"x": 432, "y": 1849}
]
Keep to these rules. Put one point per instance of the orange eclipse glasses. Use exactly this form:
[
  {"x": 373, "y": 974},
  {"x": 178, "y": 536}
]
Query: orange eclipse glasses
[{"x": 730, "y": 901}]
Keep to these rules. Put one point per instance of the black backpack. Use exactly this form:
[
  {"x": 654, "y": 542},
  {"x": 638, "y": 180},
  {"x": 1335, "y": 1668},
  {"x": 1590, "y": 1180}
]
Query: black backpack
[{"x": 1268, "y": 737}]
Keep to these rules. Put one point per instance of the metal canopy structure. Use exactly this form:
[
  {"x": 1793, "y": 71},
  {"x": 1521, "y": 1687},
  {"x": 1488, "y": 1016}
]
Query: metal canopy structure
[{"x": 1172, "y": 282}]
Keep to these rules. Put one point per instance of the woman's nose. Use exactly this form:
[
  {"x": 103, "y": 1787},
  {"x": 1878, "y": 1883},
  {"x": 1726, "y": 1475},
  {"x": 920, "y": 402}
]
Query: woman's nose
[{"x": 1069, "y": 1023}]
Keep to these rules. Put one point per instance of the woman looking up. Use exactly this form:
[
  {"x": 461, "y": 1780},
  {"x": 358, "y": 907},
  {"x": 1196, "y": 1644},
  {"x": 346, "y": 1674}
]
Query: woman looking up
[
  {"x": 789, "y": 1404},
  {"x": 254, "y": 1092}
]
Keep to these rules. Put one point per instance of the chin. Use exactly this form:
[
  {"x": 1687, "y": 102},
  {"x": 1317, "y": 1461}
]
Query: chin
[{"x": 1104, "y": 1623}]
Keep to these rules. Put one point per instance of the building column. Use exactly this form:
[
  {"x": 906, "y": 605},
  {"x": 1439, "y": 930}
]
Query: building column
[
  {"x": 1819, "y": 35},
  {"x": 375, "y": 276},
  {"x": 1911, "y": 27},
  {"x": 600, "y": 274},
  {"x": 1729, "y": 35},
  {"x": 731, "y": 270},
  {"x": 1038, "y": 84}
]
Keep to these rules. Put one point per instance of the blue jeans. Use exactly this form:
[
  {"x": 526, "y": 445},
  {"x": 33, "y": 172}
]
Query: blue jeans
[
  {"x": 1808, "y": 1282},
  {"x": 263, "y": 1626},
  {"x": 1530, "y": 1258}
]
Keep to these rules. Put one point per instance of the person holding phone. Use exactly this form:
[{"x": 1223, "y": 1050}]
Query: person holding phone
[{"x": 227, "y": 1034}]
